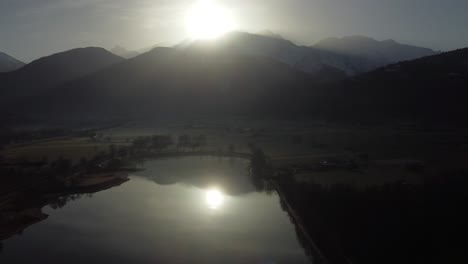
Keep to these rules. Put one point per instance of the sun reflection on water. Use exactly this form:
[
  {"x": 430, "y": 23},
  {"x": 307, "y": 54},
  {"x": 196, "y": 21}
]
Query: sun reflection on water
[{"x": 214, "y": 198}]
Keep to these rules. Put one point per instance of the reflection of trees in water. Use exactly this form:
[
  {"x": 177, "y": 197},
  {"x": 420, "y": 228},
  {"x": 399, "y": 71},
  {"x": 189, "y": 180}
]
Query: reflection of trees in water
[
  {"x": 63, "y": 200},
  {"x": 229, "y": 174},
  {"x": 225, "y": 173},
  {"x": 26, "y": 209}
]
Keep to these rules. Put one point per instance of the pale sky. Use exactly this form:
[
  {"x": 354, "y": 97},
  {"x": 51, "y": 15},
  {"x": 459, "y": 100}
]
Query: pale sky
[{"x": 30, "y": 29}]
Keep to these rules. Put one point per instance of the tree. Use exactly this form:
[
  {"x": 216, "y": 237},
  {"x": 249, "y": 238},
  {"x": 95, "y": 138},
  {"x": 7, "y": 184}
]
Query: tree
[
  {"x": 141, "y": 142},
  {"x": 161, "y": 141},
  {"x": 202, "y": 140},
  {"x": 258, "y": 168},
  {"x": 112, "y": 151},
  {"x": 258, "y": 162},
  {"x": 123, "y": 151},
  {"x": 184, "y": 141}
]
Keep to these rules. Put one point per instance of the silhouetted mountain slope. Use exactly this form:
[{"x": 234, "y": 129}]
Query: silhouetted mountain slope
[
  {"x": 430, "y": 88},
  {"x": 216, "y": 79},
  {"x": 42, "y": 74},
  {"x": 124, "y": 53},
  {"x": 8, "y": 63},
  {"x": 168, "y": 80},
  {"x": 378, "y": 53}
]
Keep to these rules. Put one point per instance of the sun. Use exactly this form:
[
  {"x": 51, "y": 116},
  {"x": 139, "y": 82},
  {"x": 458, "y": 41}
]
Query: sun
[{"x": 209, "y": 20}]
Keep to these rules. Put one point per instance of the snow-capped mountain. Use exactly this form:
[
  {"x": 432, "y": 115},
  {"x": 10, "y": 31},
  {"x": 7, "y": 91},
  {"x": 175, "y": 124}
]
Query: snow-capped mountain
[
  {"x": 379, "y": 53},
  {"x": 314, "y": 59}
]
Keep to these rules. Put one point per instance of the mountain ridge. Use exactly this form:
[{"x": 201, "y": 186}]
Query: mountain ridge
[
  {"x": 123, "y": 52},
  {"x": 433, "y": 88},
  {"x": 223, "y": 76},
  {"x": 379, "y": 52},
  {"x": 9, "y": 63},
  {"x": 313, "y": 59},
  {"x": 167, "y": 80},
  {"x": 50, "y": 71}
]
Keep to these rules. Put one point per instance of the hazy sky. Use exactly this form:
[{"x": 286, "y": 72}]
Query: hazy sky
[{"x": 30, "y": 29}]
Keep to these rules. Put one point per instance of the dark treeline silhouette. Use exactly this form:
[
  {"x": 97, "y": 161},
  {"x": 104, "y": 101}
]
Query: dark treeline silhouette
[
  {"x": 392, "y": 223},
  {"x": 157, "y": 143},
  {"x": 260, "y": 169},
  {"x": 396, "y": 222}
]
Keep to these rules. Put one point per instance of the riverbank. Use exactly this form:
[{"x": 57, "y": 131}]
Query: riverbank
[
  {"x": 391, "y": 223},
  {"x": 24, "y": 208},
  {"x": 316, "y": 252}
]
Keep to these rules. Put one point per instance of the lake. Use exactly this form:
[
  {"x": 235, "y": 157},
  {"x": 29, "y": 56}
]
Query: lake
[{"x": 178, "y": 210}]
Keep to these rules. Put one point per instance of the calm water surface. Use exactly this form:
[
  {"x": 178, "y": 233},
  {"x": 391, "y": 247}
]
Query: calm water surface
[{"x": 186, "y": 210}]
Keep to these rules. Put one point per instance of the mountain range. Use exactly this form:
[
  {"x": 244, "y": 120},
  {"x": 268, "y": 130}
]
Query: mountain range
[
  {"x": 8, "y": 63},
  {"x": 376, "y": 53},
  {"x": 350, "y": 55},
  {"x": 167, "y": 80},
  {"x": 239, "y": 74},
  {"x": 129, "y": 54}
]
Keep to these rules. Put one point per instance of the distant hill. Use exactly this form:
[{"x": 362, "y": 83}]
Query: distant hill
[
  {"x": 171, "y": 81},
  {"x": 8, "y": 63},
  {"x": 377, "y": 53},
  {"x": 433, "y": 88},
  {"x": 47, "y": 72},
  {"x": 124, "y": 53}
]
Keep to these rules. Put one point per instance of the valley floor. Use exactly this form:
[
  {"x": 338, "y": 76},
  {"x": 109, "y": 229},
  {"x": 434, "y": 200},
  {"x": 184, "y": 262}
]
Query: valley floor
[{"x": 312, "y": 160}]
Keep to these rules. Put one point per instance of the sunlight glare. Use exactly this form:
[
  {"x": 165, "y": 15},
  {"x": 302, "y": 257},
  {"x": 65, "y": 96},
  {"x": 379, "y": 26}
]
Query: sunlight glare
[
  {"x": 214, "y": 198},
  {"x": 208, "y": 20}
]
